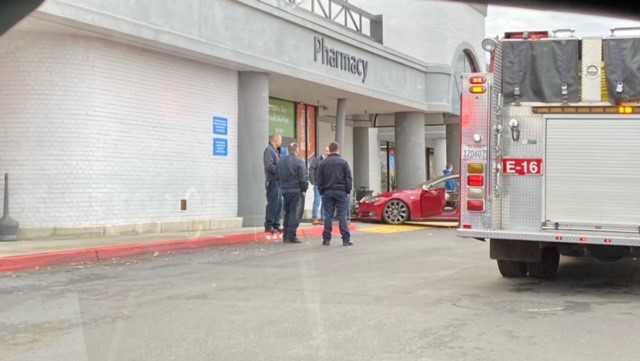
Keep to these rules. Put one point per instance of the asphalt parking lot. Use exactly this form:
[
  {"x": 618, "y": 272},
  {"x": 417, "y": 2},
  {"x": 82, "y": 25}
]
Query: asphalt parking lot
[{"x": 404, "y": 293}]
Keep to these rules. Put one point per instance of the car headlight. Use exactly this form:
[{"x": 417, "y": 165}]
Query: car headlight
[{"x": 371, "y": 198}]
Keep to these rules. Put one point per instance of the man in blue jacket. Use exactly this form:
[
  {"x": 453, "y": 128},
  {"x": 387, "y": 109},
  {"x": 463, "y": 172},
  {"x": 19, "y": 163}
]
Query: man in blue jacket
[
  {"x": 450, "y": 185},
  {"x": 270, "y": 158},
  {"x": 293, "y": 178},
  {"x": 334, "y": 179}
]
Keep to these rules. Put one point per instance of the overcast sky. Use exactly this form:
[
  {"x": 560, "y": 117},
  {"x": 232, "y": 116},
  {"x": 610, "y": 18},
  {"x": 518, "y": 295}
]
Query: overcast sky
[{"x": 501, "y": 19}]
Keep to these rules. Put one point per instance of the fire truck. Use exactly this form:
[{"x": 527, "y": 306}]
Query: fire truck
[{"x": 550, "y": 150}]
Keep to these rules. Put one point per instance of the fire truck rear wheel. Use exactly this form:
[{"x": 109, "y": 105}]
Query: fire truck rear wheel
[
  {"x": 512, "y": 269},
  {"x": 547, "y": 268}
]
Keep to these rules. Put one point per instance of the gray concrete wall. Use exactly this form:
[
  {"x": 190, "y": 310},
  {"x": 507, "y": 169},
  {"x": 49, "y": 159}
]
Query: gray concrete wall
[
  {"x": 374, "y": 161},
  {"x": 253, "y": 133},
  {"x": 445, "y": 29},
  {"x": 361, "y": 157},
  {"x": 366, "y": 156},
  {"x": 255, "y": 35},
  {"x": 410, "y": 149},
  {"x": 440, "y": 26},
  {"x": 327, "y": 134},
  {"x": 341, "y": 121},
  {"x": 439, "y": 161}
]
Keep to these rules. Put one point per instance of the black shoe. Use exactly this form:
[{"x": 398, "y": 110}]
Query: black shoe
[
  {"x": 268, "y": 230},
  {"x": 295, "y": 240},
  {"x": 326, "y": 243},
  {"x": 347, "y": 244}
]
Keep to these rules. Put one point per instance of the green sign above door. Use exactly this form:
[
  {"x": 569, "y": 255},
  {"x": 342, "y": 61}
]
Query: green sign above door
[{"x": 282, "y": 116}]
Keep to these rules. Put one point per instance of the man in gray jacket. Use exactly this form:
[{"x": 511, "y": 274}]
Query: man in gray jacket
[
  {"x": 270, "y": 158},
  {"x": 293, "y": 183},
  {"x": 316, "y": 210}
]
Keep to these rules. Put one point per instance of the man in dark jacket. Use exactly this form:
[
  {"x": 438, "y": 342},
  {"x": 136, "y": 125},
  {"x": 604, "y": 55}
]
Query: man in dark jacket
[
  {"x": 271, "y": 157},
  {"x": 334, "y": 180},
  {"x": 293, "y": 183}
]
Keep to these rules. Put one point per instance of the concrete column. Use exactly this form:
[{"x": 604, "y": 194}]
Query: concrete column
[
  {"x": 453, "y": 145},
  {"x": 410, "y": 150},
  {"x": 360, "y": 157},
  {"x": 439, "y": 157},
  {"x": 375, "y": 183},
  {"x": 341, "y": 121},
  {"x": 253, "y": 134},
  {"x": 366, "y": 159}
]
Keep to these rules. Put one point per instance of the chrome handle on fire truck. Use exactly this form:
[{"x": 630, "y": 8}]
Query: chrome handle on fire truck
[
  {"x": 566, "y": 30},
  {"x": 497, "y": 161},
  {"x": 514, "y": 124},
  {"x": 498, "y": 145},
  {"x": 626, "y": 28}
]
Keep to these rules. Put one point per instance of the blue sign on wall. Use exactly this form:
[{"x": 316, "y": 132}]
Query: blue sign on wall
[
  {"x": 220, "y": 147},
  {"x": 220, "y": 126}
]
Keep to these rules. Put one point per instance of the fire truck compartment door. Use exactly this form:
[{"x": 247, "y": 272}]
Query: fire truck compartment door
[{"x": 592, "y": 174}]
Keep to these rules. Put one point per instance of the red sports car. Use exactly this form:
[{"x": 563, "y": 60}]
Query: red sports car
[{"x": 436, "y": 199}]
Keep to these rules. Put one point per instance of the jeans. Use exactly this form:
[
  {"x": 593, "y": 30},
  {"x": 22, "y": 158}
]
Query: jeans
[
  {"x": 335, "y": 202},
  {"x": 274, "y": 206},
  {"x": 291, "y": 220},
  {"x": 317, "y": 203}
]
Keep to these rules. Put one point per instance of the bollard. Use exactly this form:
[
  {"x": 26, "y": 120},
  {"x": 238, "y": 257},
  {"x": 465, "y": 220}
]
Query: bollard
[{"x": 8, "y": 226}]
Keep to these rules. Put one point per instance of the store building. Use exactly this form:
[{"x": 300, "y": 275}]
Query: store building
[{"x": 128, "y": 118}]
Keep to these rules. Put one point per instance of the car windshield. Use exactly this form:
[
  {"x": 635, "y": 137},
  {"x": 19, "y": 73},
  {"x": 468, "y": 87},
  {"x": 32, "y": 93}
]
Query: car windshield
[{"x": 438, "y": 180}]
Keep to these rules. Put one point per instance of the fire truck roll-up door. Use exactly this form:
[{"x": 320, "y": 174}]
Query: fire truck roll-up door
[{"x": 592, "y": 179}]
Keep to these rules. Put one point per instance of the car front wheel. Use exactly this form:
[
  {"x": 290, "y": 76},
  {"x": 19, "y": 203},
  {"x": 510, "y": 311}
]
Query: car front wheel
[{"x": 396, "y": 212}]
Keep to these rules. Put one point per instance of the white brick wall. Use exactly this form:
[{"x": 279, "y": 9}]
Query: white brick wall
[{"x": 97, "y": 133}]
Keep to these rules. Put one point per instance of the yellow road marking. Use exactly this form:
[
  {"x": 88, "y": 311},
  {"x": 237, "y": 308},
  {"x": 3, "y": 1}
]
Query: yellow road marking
[
  {"x": 390, "y": 228},
  {"x": 444, "y": 224}
]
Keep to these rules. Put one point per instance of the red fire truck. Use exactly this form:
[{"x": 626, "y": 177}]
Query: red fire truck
[{"x": 550, "y": 150}]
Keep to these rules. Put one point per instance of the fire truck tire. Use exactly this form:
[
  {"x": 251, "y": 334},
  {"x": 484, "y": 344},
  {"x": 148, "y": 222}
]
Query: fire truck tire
[
  {"x": 512, "y": 269},
  {"x": 547, "y": 268}
]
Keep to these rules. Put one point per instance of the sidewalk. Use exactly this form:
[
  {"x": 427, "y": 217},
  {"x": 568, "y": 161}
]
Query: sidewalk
[{"x": 32, "y": 255}]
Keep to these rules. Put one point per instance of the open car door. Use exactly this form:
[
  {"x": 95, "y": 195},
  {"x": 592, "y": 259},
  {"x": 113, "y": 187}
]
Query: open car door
[
  {"x": 433, "y": 197},
  {"x": 432, "y": 202}
]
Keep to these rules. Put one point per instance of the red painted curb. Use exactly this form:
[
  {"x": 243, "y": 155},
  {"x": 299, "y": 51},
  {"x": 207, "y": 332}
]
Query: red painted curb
[{"x": 96, "y": 254}]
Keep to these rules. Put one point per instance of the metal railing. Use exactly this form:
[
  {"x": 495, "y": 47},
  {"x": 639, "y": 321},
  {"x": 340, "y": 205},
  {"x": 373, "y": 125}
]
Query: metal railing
[{"x": 345, "y": 14}]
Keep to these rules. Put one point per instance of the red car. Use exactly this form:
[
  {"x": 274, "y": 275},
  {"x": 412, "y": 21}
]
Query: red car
[{"x": 429, "y": 201}]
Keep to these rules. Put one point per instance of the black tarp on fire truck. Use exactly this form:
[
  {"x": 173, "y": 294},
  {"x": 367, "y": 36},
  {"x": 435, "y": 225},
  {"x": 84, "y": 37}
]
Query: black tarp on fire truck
[
  {"x": 622, "y": 66},
  {"x": 541, "y": 71}
]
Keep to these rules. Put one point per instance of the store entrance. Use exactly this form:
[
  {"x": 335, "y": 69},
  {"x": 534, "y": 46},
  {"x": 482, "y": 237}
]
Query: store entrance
[
  {"x": 388, "y": 166},
  {"x": 296, "y": 122},
  {"x": 429, "y": 162}
]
